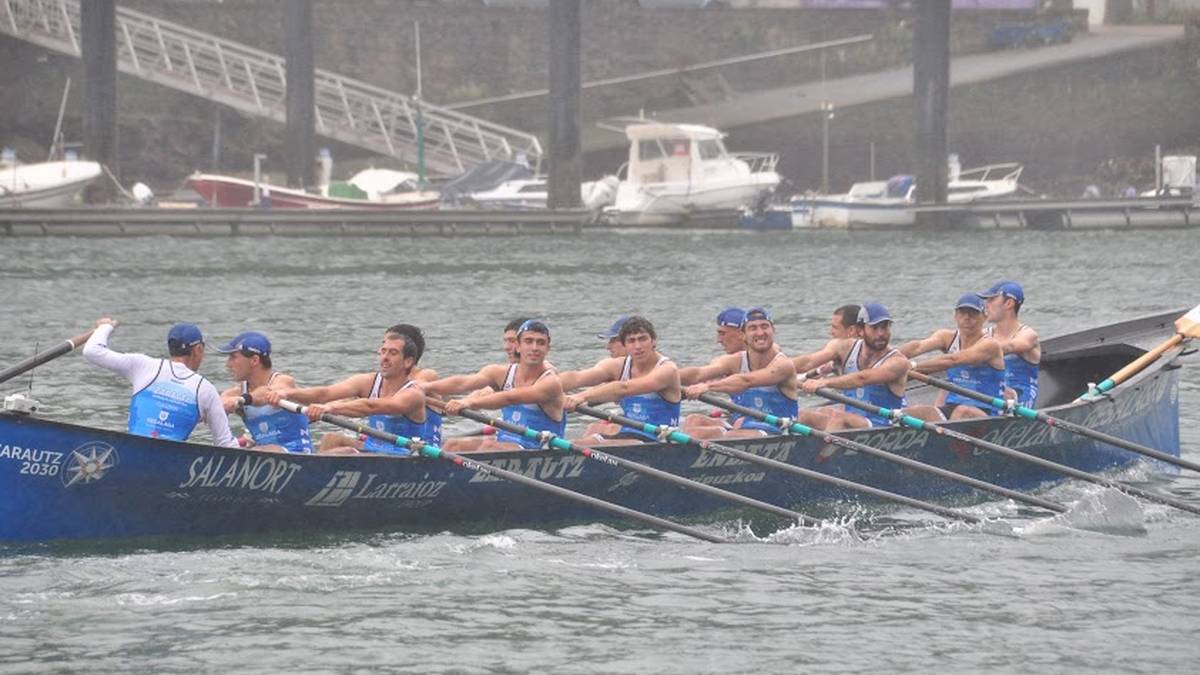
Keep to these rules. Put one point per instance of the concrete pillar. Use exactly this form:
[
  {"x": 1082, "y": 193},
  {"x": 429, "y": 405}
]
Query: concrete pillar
[
  {"x": 565, "y": 164},
  {"x": 301, "y": 113},
  {"x": 931, "y": 93},
  {"x": 99, "y": 46}
]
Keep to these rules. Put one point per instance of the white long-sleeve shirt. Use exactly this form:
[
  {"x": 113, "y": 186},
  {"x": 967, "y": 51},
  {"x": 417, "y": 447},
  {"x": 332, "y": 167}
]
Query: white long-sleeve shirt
[{"x": 141, "y": 370}]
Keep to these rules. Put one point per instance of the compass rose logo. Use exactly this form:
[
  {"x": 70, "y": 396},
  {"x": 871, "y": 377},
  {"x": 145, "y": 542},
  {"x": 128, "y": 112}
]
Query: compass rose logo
[{"x": 88, "y": 463}]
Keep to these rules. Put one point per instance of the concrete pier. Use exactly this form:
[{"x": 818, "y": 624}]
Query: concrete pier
[
  {"x": 301, "y": 112},
  {"x": 566, "y": 162}
]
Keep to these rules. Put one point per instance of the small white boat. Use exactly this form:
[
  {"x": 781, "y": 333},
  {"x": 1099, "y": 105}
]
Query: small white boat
[
  {"x": 677, "y": 171},
  {"x": 45, "y": 185},
  {"x": 531, "y": 193},
  {"x": 889, "y": 203}
]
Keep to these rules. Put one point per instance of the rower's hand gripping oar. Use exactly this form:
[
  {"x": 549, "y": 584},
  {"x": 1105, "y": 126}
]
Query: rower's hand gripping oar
[
  {"x": 804, "y": 430},
  {"x": 677, "y": 436},
  {"x": 559, "y": 443},
  {"x": 42, "y": 357},
  {"x": 1030, "y": 413},
  {"x": 1186, "y": 328},
  {"x": 423, "y": 449},
  {"x": 916, "y": 423}
]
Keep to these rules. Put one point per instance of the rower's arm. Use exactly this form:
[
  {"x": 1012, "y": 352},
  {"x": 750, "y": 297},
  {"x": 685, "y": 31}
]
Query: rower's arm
[
  {"x": 665, "y": 376},
  {"x": 1025, "y": 340},
  {"x": 830, "y": 352},
  {"x": 544, "y": 390},
  {"x": 890, "y": 370},
  {"x": 780, "y": 370},
  {"x": 937, "y": 340},
  {"x": 213, "y": 414},
  {"x": 139, "y": 369},
  {"x": 718, "y": 367},
  {"x": 590, "y": 377},
  {"x": 351, "y": 387},
  {"x": 426, "y": 375},
  {"x": 981, "y": 352},
  {"x": 403, "y": 402},
  {"x": 457, "y": 384}
]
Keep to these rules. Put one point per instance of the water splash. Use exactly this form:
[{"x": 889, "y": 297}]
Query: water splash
[{"x": 1106, "y": 510}]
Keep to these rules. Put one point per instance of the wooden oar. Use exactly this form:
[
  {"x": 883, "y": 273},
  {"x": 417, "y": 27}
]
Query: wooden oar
[
  {"x": 1030, "y": 413},
  {"x": 680, "y": 437},
  {"x": 907, "y": 462},
  {"x": 433, "y": 452},
  {"x": 559, "y": 443},
  {"x": 1186, "y": 328},
  {"x": 42, "y": 357},
  {"x": 909, "y": 420}
]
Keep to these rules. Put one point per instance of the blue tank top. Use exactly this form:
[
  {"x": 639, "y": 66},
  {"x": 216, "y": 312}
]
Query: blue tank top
[
  {"x": 269, "y": 425},
  {"x": 767, "y": 399},
  {"x": 429, "y": 431},
  {"x": 1020, "y": 375},
  {"x": 529, "y": 415},
  {"x": 649, "y": 408},
  {"x": 875, "y": 394},
  {"x": 981, "y": 378},
  {"x": 168, "y": 407}
]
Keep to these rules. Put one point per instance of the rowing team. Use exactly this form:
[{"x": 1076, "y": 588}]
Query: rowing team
[{"x": 1000, "y": 360}]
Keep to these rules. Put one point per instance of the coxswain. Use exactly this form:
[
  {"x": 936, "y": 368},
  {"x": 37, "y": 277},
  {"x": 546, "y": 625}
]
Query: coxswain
[
  {"x": 871, "y": 370},
  {"x": 970, "y": 358},
  {"x": 249, "y": 362},
  {"x": 760, "y": 377},
  {"x": 527, "y": 392},
  {"x": 1022, "y": 349},
  {"x": 390, "y": 398},
  {"x": 169, "y": 397},
  {"x": 644, "y": 381}
]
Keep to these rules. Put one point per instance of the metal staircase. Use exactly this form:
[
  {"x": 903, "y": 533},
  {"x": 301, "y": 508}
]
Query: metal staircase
[{"x": 253, "y": 81}]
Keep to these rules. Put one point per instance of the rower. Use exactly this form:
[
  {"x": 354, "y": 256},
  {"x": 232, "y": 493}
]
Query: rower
[
  {"x": 273, "y": 430},
  {"x": 644, "y": 381},
  {"x": 871, "y": 371},
  {"x": 843, "y": 325},
  {"x": 1022, "y": 349},
  {"x": 761, "y": 377},
  {"x": 527, "y": 392},
  {"x": 612, "y": 338},
  {"x": 169, "y": 397},
  {"x": 391, "y": 400},
  {"x": 970, "y": 358}
]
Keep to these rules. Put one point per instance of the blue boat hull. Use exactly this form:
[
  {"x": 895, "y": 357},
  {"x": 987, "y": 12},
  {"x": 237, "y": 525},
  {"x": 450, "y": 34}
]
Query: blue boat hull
[{"x": 64, "y": 481}]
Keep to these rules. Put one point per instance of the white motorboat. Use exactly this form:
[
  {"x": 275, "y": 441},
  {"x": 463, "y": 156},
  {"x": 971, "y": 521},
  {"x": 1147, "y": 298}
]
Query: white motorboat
[
  {"x": 889, "y": 203},
  {"x": 677, "y": 171},
  {"x": 531, "y": 193},
  {"x": 45, "y": 185}
]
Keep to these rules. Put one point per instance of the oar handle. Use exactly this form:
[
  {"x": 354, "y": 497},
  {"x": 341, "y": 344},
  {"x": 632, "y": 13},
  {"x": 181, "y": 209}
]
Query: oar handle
[
  {"x": 38, "y": 359},
  {"x": 434, "y": 452}
]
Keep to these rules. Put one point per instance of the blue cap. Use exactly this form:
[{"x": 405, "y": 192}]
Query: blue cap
[
  {"x": 758, "y": 314},
  {"x": 250, "y": 341},
  {"x": 613, "y": 330},
  {"x": 1009, "y": 289},
  {"x": 733, "y": 317},
  {"x": 969, "y": 301},
  {"x": 872, "y": 313},
  {"x": 534, "y": 325},
  {"x": 183, "y": 336}
]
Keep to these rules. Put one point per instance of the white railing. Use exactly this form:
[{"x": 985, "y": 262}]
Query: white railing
[
  {"x": 254, "y": 81},
  {"x": 759, "y": 162}
]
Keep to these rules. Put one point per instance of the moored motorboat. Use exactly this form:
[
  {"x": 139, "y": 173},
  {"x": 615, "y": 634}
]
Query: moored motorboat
[
  {"x": 61, "y": 480},
  {"x": 369, "y": 189},
  {"x": 680, "y": 171},
  {"x": 889, "y": 203},
  {"x": 46, "y": 184}
]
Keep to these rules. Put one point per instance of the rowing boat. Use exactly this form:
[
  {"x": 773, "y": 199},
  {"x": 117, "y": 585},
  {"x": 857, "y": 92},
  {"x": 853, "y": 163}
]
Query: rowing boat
[{"x": 68, "y": 481}]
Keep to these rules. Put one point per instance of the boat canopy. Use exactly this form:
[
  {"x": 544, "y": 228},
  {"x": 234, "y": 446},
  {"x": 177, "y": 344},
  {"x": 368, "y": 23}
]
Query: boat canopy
[{"x": 637, "y": 132}]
